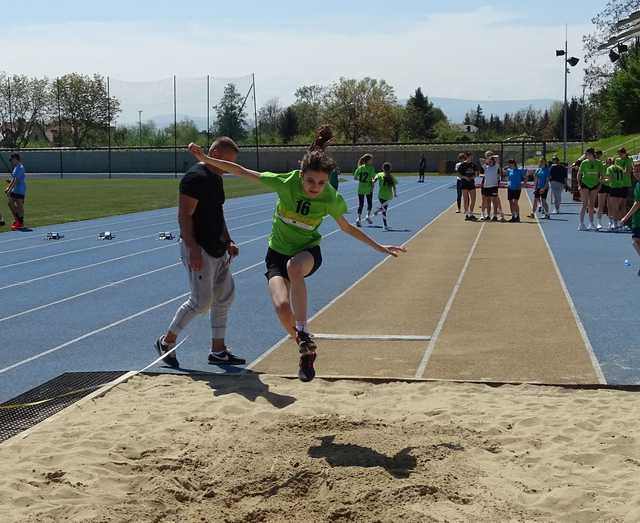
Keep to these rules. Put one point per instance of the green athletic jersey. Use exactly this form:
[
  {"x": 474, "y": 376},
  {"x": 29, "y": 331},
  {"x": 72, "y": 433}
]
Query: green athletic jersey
[
  {"x": 297, "y": 217},
  {"x": 635, "y": 222},
  {"x": 591, "y": 171},
  {"x": 626, "y": 164},
  {"x": 385, "y": 192},
  {"x": 616, "y": 176},
  {"x": 365, "y": 175}
]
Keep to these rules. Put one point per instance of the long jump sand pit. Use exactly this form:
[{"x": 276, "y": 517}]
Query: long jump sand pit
[{"x": 259, "y": 448}]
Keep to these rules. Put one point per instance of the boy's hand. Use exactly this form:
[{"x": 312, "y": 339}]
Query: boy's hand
[
  {"x": 196, "y": 151},
  {"x": 393, "y": 250}
]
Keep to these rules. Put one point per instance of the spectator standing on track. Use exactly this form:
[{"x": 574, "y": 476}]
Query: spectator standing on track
[
  {"x": 207, "y": 251},
  {"x": 557, "y": 182},
  {"x": 626, "y": 163},
  {"x": 541, "y": 183},
  {"x": 516, "y": 178},
  {"x": 467, "y": 170},
  {"x": 617, "y": 196},
  {"x": 461, "y": 158},
  {"x": 304, "y": 200},
  {"x": 421, "y": 169},
  {"x": 589, "y": 182},
  {"x": 603, "y": 196},
  {"x": 490, "y": 183},
  {"x": 386, "y": 191},
  {"x": 16, "y": 191},
  {"x": 365, "y": 173},
  {"x": 634, "y": 215}
]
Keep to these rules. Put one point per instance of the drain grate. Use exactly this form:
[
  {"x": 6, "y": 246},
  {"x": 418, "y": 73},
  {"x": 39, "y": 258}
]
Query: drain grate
[{"x": 32, "y": 407}]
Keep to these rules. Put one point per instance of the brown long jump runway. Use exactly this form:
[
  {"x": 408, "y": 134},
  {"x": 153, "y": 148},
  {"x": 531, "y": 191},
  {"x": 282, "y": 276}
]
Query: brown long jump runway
[{"x": 487, "y": 295}]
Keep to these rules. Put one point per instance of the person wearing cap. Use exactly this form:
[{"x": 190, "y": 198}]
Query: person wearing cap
[
  {"x": 589, "y": 175},
  {"x": 626, "y": 163},
  {"x": 558, "y": 182}
]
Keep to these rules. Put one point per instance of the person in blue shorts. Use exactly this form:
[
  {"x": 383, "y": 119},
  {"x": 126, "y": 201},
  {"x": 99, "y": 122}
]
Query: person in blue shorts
[
  {"x": 514, "y": 189},
  {"x": 16, "y": 191},
  {"x": 541, "y": 182},
  {"x": 634, "y": 215}
]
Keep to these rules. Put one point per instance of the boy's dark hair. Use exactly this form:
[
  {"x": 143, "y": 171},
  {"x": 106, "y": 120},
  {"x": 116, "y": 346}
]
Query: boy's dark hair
[
  {"x": 316, "y": 158},
  {"x": 14, "y": 156},
  {"x": 224, "y": 143},
  {"x": 590, "y": 151}
]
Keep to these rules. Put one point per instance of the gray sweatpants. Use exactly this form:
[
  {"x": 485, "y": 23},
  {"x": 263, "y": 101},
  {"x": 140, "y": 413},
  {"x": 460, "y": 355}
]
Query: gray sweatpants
[
  {"x": 212, "y": 290},
  {"x": 556, "y": 194}
]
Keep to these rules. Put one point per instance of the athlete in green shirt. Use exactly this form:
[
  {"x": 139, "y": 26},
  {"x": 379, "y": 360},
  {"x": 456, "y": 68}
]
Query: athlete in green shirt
[
  {"x": 304, "y": 199},
  {"x": 603, "y": 195},
  {"x": 617, "y": 196},
  {"x": 634, "y": 215},
  {"x": 386, "y": 191},
  {"x": 365, "y": 173},
  {"x": 589, "y": 174}
]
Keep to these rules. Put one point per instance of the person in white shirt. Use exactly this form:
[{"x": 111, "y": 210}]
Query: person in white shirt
[{"x": 490, "y": 184}]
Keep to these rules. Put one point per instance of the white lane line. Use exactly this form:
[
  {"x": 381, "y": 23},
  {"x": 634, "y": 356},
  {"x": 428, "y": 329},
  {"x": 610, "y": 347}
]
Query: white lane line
[
  {"x": 145, "y": 226},
  {"x": 106, "y": 286},
  {"x": 112, "y": 259},
  {"x": 354, "y": 284},
  {"x": 181, "y": 296},
  {"x": 111, "y": 325},
  {"x": 372, "y": 337},
  {"x": 122, "y": 220},
  {"x": 445, "y": 313},
  {"x": 583, "y": 332}
]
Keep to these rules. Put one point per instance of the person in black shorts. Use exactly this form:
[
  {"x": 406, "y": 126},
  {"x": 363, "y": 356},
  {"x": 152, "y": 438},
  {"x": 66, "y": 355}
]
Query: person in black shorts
[
  {"x": 461, "y": 158},
  {"x": 467, "y": 170}
]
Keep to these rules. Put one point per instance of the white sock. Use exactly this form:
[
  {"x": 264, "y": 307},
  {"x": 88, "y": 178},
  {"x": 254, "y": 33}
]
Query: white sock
[{"x": 301, "y": 326}]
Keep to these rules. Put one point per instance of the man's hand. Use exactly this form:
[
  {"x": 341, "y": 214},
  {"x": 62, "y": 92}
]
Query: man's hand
[
  {"x": 233, "y": 250},
  {"x": 195, "y": 259},
  {"x": 392, "y": 250}
]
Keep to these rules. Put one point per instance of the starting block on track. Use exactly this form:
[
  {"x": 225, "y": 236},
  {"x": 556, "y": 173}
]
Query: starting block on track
[
  {"x": 54, "y": 236},
  {"x": 166, "y": 236},
  {"x": 107, "y": 235}
]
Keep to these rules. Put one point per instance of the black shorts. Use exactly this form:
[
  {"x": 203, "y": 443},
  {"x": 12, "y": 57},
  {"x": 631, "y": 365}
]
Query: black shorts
[
  {"x": 16, "y": 196},
  {"x": 604, "y": 189},
  {"x": 277, "y": 263},
  {"x": 583, "y": 186},
  {"x": 541, "y": 194},
  {"x": 619, "y": 192},
  {"x": 513, "y": 194},
  {"x": 490, "y": 191},
  {"x": 467, "y": 185}
]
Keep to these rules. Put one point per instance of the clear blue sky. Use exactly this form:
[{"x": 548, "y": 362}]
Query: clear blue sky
[{"x": 355, "y": 14}]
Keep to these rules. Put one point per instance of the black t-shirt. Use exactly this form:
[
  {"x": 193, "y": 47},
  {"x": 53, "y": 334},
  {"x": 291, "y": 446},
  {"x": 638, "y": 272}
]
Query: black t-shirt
[
  {"x": 208, "y": 218},
  {"x": 468, "y": 169},
  {"x": 558, "y": 173}
]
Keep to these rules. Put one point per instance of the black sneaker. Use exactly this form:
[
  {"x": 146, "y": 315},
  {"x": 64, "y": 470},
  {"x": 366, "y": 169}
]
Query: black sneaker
[
  {"x": 466, "y": 218},
  {"x": 228, "y": 358},
  {"x": 307, "y": 348},
  {"x": 169, "y": 359},
  {"x": 494, "y": 219},
  {"x": 473, "y": 218}
]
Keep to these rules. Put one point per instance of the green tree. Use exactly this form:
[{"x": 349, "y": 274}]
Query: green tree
[
  {"x": 269, "y": 119},
  {"x": 24, "y": 104},
  {"x": 308, "y": 107},
  {"x": 288, "y": 125},
  {"x": 84, "y": 107},
  {"x": 231, "y": 119},
  {"x": 421, "y": 117}
]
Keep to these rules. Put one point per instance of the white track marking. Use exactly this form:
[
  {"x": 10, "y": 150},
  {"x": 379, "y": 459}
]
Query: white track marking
[
  {"x": 348, "y": 289},
  {"x": 372, "y": 337},
  {"x": 111, "y": 325},
  {"x": 182, "y": 296},
  {"x": 445, "y": 313},
  {"x": 583, "y": 332}
]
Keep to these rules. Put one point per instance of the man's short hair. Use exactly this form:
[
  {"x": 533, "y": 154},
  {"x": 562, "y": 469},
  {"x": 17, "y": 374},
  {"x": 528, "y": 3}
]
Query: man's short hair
[
  {"x": 14, "y": 156},
  {"x": 224, "y": 143}
]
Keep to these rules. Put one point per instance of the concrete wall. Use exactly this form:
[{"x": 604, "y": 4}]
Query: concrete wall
[{"x": 404, "y": 158}]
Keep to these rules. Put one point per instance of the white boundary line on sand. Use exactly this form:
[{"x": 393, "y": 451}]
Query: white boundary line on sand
[
  {"x": 348, "y": 289},
  {"x": 583, "y": 332},
  {"x": 372, "y": 337},
  {"x": 445, "y": 313}
]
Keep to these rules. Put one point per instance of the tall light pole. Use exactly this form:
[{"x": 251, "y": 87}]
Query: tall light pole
[
  {"x": 573, "y": 61},
  {"x": 140, "y": 127},
  {"x": 583, "y": 111}
]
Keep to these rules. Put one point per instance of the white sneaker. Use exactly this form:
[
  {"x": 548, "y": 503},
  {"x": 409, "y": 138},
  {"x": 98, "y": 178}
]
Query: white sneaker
[
  {"x": 581, "y": 227},
  {"x": 612, "y": 226},
  {"x": 590, "y": 227},
  {"x": 599, "y": 226},
  {"x": 554, "y": 211},
  {"x": 369, "y": 220}
]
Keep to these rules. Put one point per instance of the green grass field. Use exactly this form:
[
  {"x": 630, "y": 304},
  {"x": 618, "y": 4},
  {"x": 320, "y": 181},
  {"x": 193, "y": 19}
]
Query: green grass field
[{"x": 60, "y": 201}]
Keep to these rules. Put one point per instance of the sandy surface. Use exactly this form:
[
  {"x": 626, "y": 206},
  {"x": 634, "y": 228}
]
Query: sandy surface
[{"x": 269, "y": 449}]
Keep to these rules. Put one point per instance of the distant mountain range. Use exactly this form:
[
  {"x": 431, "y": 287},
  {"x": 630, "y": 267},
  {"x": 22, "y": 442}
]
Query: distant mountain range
[{"x": 455, "y": 109}]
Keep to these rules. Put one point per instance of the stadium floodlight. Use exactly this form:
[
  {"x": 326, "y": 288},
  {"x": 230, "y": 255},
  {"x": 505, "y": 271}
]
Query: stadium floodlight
[
  {"x": 560, "y": 52},
  {"x": 613, "y": 56},
  {"x": 573, "y": 61},
  {"x": 623, "y": 48}
]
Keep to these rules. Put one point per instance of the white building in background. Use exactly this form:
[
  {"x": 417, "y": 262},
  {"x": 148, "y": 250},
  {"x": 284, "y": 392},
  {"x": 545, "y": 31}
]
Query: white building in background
[{"x": 466, "y": 128}]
